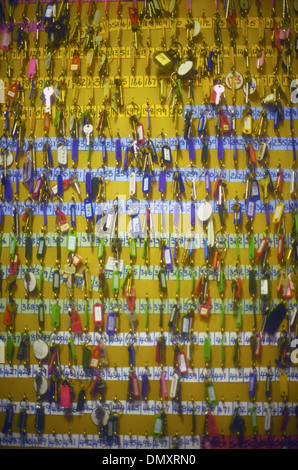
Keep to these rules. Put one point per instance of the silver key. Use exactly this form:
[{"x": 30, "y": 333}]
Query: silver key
[
  {"x": 132, "y": 318},
  {"x": 219, "y": 90},
  {"x": 48, "y": 91},
  {"x": 88, "y": 128}
]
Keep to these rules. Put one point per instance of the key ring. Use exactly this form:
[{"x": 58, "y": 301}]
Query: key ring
[{"x": 115, "y": 407}]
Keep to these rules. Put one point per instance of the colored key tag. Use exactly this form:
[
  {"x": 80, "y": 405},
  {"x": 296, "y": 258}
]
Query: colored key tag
[{"x": 98, "y": 314}]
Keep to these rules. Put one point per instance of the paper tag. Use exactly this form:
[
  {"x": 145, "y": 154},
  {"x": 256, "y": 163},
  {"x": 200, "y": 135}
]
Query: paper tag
[{"x": 112, "y": 265}]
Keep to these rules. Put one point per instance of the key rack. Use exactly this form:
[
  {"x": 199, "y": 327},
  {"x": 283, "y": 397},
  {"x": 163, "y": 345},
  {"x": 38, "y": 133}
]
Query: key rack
[{"x": 148, "y": 224}]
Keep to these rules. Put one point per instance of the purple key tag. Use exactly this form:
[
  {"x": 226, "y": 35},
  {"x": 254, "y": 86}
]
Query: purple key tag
[
  {"x": 250, "y": 207},
  {"x": 74, "y": 150},
  {"x": 144, "y": 386},
  {"x": 162, "y": 181},
  {"x": 181, "y": 183},
  {"x": 111, "y": 324},
  {"x": 118, "y": 150},
  {"x": 88, "y": 184},
  {"x": 104, "y": 150},
  {"x": 146, "y": 184},
  {"x": 252, "y": 384},
  {"x": 220, "y": 148},
  {"x": 176, "y": 214},
  {"x": 191, "y": 150},
  {"x": 60, "y": 185},
  {"x": 192, "y": 214},
  {"x": 126, "y": 157},
  {"x": 255, "y": 190},
  {"x": 235, "y": 149},
  {"x": 168, "y": 257},
  {"x": 202, "y": 124},
  {"x": 8, "y": 190},
  {"x": 88, "y": 208}
]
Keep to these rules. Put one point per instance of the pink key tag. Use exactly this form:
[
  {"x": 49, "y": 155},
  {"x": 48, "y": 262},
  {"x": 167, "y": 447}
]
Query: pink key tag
[
  {"x": 31, "y": 67},
  {"x": 163, "y": 385},
  {"x": 5, "y": 41},
  {"x": 65, "y": 396},
  {"x": 284, "y": 34}
]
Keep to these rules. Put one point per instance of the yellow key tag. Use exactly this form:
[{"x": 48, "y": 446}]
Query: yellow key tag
[
  {"x": 247, "y": 125},
  {"x": 283, "y": 384},
  {"x": 278, "y": 212}
]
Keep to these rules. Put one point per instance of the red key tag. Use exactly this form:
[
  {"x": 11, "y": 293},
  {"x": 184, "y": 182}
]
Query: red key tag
[
  {"x": 37, "y": 188},
  {"x": 76, "y": 324},
  {"x": 280, "y": 248},
  {"x": 14, "y": 264},
  {"x": 75, "y": 62},
  {"x": 224, "y": 123},
  {"x": 135, "y": 386},
  {"x": 7, "y": 317},
  {"x": 133, "y": 14},
  {"x": 262, "y": 247},
  {"x": 64, "y": 225},
  {"x": 98, "y": 314},
  {"x": 212, "y": 428},
  {"x": 205, "y": 308},
  {"x": 237, "y": 293},
  {"x": 216, "y": 186},
  {"x": 12, "y": 90},
  {"x": 65, "y": 395},
  {"x": 253, "y": 157},
  {"x": 95, "y": 358}
]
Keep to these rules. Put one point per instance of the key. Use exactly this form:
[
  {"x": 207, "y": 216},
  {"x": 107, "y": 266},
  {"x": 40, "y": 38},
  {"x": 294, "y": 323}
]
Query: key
[
  {"x": 132, "y": 318},
  {"x": 219, "y": 90},
  {"x": 88, "y": 128},
  {"x": 48, "y": 92},
  {"x": 74, "y": 182}
]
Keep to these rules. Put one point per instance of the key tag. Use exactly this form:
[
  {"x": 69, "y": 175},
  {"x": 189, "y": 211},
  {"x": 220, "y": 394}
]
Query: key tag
[
  {"x": 12, "y": 90},
  {"x": 98, "y": 315},
  {"x": 71, "y": 241},
  {"x": 95, "y": 357},
  {"x": 204, "y": 310},
  {"x": 111, "y": 324},
  {"x": 135, "y": 386},
  {"x": 76, "y": 325},
  {"x": 56, "y": 315},
  {"x": 182, "y": 363},
  {"x": 65, "y": 395},
  {"x": 158, "y": 428},
  {"x": 211, "y": 393},
  {"x": 75, "y": 62},
  {"x": 40, "y": 349}
]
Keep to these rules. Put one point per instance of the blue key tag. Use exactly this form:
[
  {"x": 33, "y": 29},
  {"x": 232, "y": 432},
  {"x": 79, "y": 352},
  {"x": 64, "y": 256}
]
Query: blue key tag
[
  {"x": 111, "y": 324},
  {"x": 252, "y": 384},
  {"x": 8, "y": 190},
  {"x": 60, "y": 185},
  {"x": 168, "y": 257},
  {"x": 74, "y": 150},
  {"x": 146, "y": 184},
  {"x": 162, "y": 181},
  {"x": 202, "y": 123},
  {"x": 73, "y": 215},
  {"x": 88, "y": 184},
  {"x": 192, "y": 214},
  {"x": 255, "y": 190},
  {"x": 166, "y": 154},
  {"x": 191, "y": 150},
  {"x": 181, "y": 183},
  {"x": 71, "y": 241},
  {"x": 250, "y": 207},
  {"x": 176, "y": 215},
  {"x": 118, "y": 150},
  {"x": 220, "y": 149},
  {"x": 88, "y": 208}
]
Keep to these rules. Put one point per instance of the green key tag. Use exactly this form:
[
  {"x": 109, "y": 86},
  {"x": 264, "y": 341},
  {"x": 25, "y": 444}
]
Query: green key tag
[
  {"x": 72, "y": 348},
  {"x": 251, "y": 248},
  {"x": 9, "y": 349},
  {"x": 211, "y": 394},
  {"x": 12, "y": 247},
  {"x": 132, "y": 247},
  {"x": 158, "y": 426},
  {"x": 239, "y": 316},
  {"x": 71, "y": 241},
  {"x": 86, "y": 357},
  {"x": 253, "y": 417},
  {"x": 115, "y": 282},
  {"x": 296, "y": 221},
  {"x": 207, "y": 350},
  {"x": 56, "y": 315},
  {"x": 100, "y": 249},
  {"x": 162, "y": 280}
]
